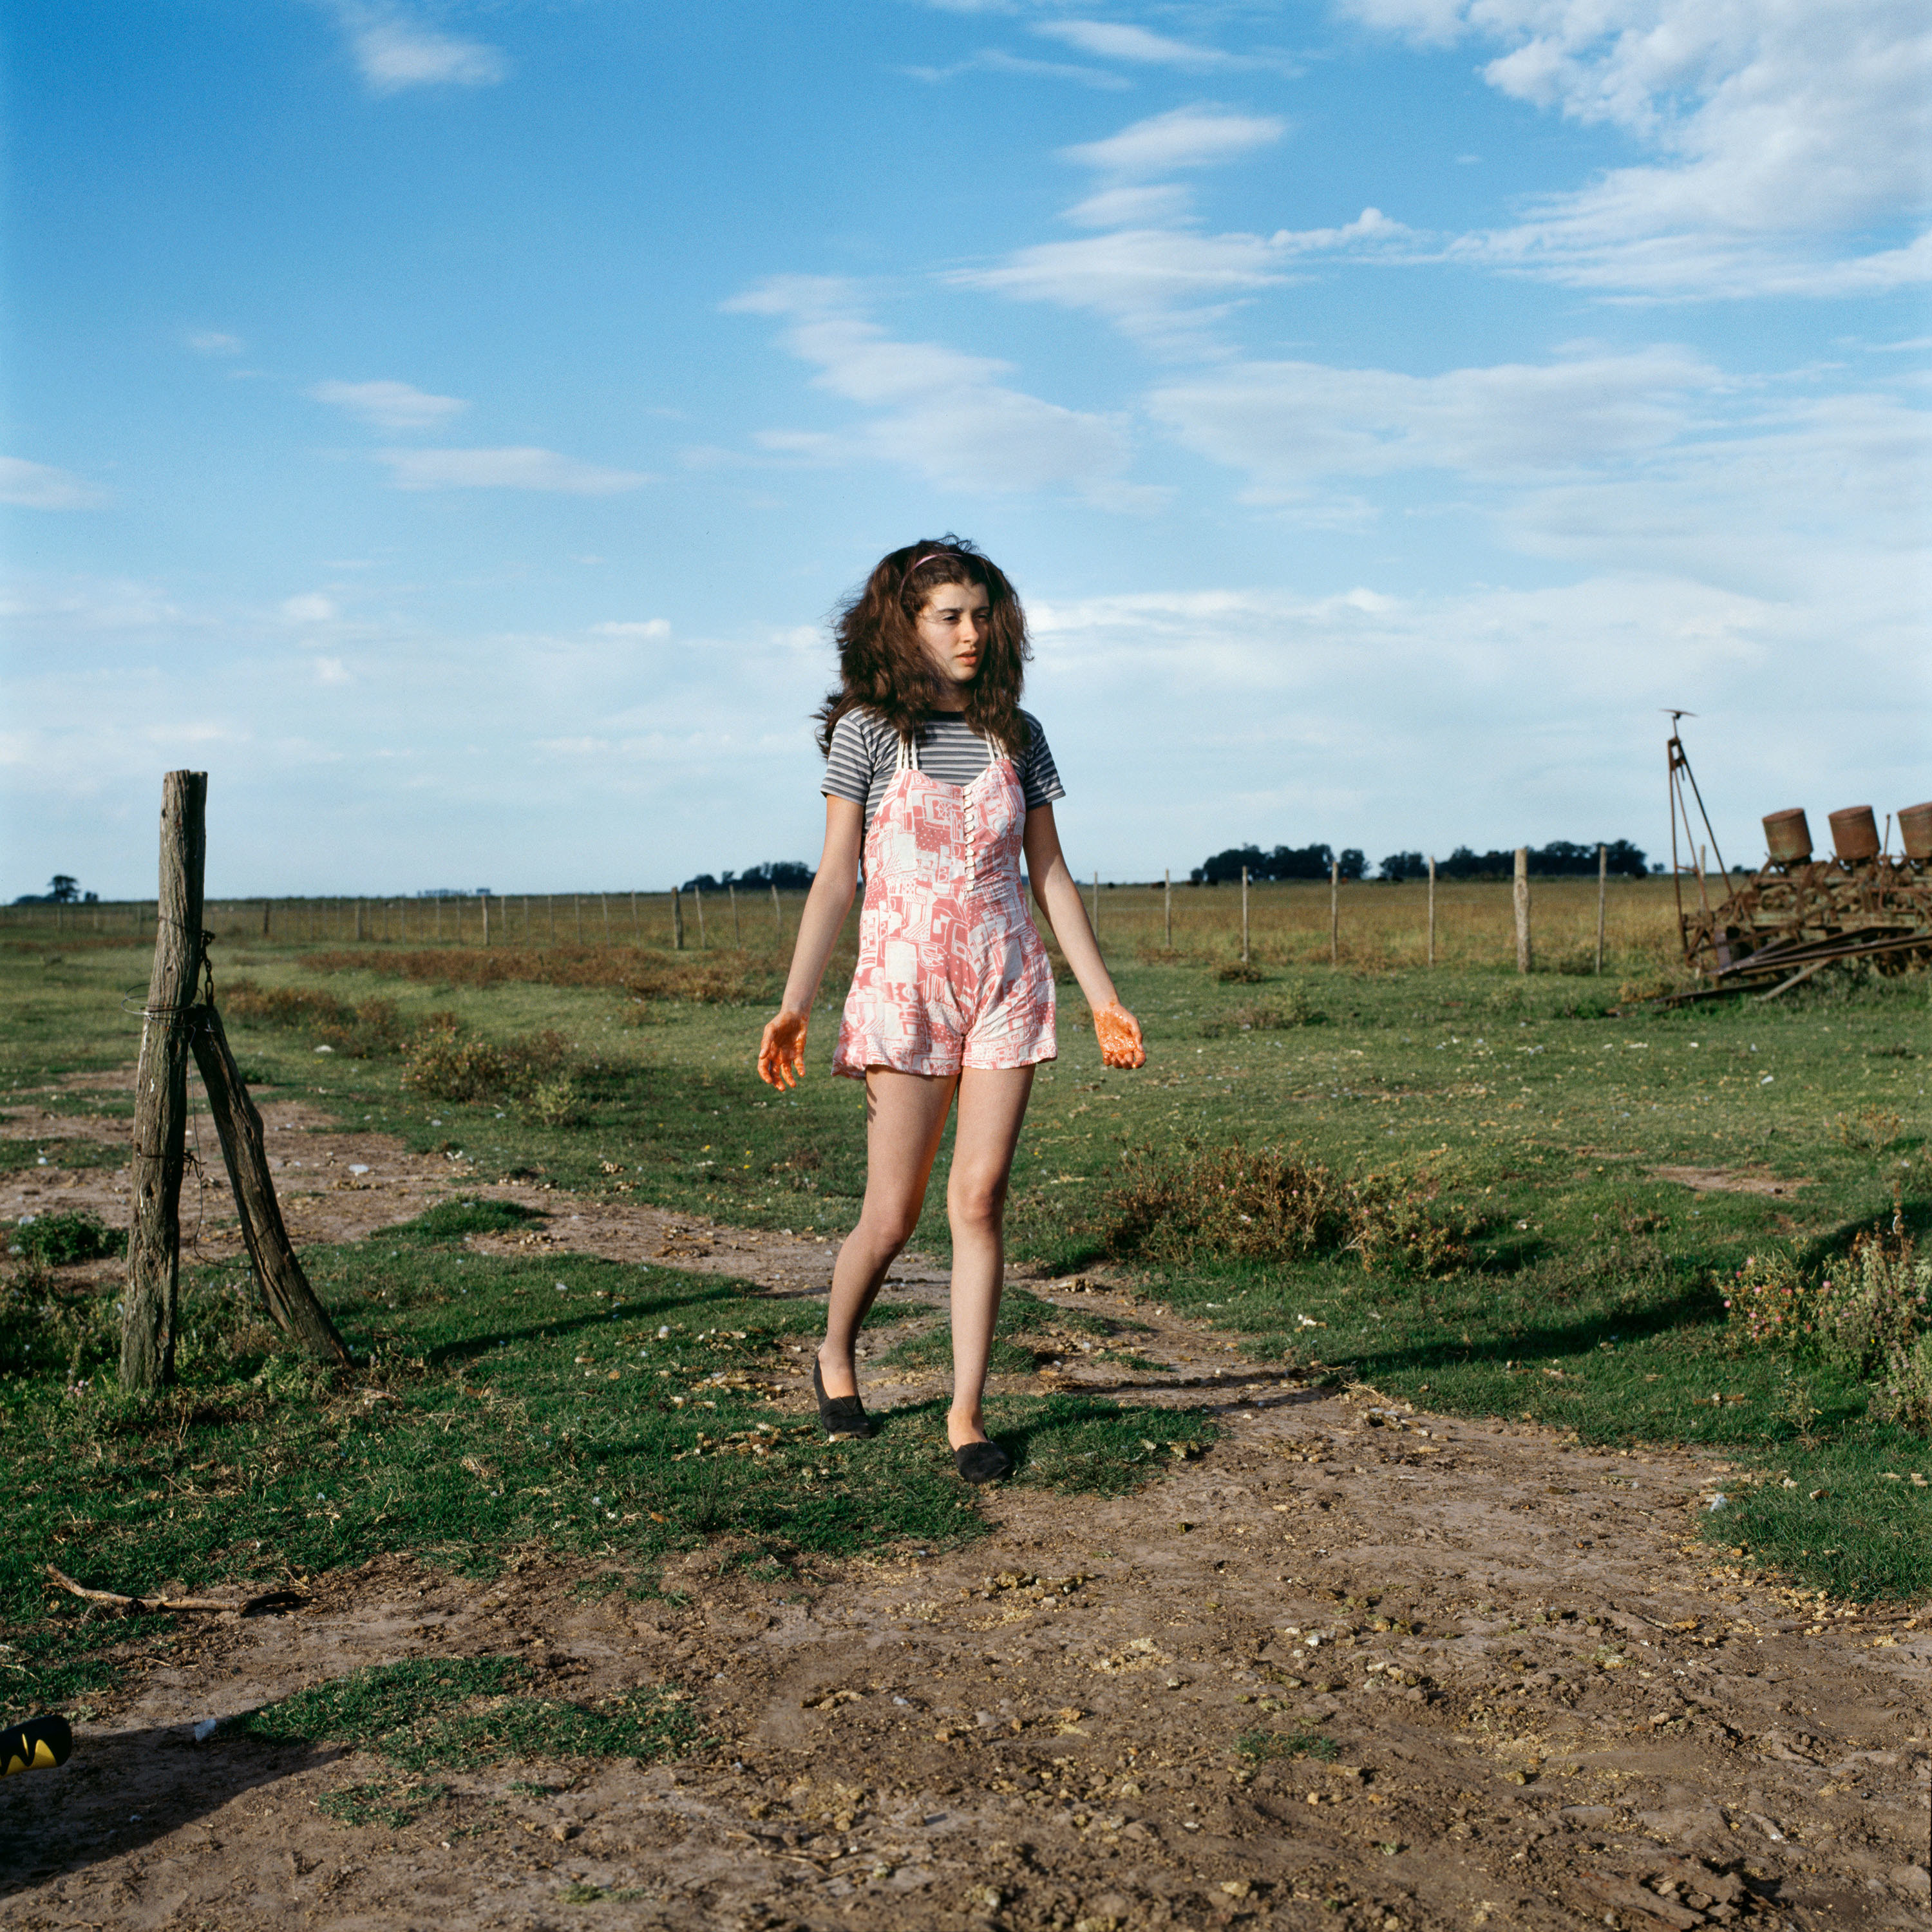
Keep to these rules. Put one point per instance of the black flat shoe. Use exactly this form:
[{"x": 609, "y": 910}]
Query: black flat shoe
[
  {"x": 981, "y": 1462},
  {"x": 842, "y": 1414}
]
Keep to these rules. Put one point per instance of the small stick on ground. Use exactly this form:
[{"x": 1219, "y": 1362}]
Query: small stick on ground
[{"x": 268, "y": 1599}]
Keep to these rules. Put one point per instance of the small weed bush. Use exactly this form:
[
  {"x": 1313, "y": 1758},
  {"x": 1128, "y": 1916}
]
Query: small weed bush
[
  {"x": 446, "y": 1064},
  {"x": 1268, "y": 1204},
  {"x": 68, "y": 1236},
  {"x": 1872, "y": 1306},
  {"x": 1291, "y": 1008},
  {"x": 709, "y": 979},
  {"x": 370, "y": 1029}
]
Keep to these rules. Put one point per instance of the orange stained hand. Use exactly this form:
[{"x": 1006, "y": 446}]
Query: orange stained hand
[
  {"x": 781, "y": 1051},
  {"x": 1120, "y": 1036}
]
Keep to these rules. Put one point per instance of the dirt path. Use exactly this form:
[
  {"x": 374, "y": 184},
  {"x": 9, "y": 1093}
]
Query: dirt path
[{"x": 1550, "y": 1707}]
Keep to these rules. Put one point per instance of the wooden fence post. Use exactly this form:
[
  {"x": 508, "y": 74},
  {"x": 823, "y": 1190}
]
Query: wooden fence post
[
  {"x": 485, "y": 897},
  {"x": 677, "y": 918},
  {"x": 292, "y": 1302},
  {"x": 1334, "y": 912},
  {"x": 265, "y": 919},
  {"x": 1432, "y": 908},
  {"x": 160, "y": 1090},
  {"x": 1244, "y": 915},
  {"x": 1167, "y": 910},
  {"x": 603, "y": 900},
  {"x": 737, "y": 939},
  {"x": 358, "y": 921},
  {"x": 1602, "y": 880},
  {"x": 1522, "y": 896},
  {"x": 778, "y": 910},
  {"x": 697, "y": 900}
]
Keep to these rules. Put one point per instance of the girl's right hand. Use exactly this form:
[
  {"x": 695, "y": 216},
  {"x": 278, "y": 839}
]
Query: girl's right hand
[{"x": 781, "y": 1051}]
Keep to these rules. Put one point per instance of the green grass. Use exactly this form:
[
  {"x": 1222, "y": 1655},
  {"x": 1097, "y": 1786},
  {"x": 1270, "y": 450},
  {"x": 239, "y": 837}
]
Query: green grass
[
  {"x": 497, "y": 1403},
  {"x": 1264, "y": 1747},
  {"x": 447, "y": 1714},
  {"x": 1542, "y": 1117}
]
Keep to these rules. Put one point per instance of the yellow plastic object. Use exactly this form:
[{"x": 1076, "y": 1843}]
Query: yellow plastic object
[
  {"x": 38, "y": 1744},
  {"x": 781, "y": 1051},
  {"x": 1119, "y": 1034}
]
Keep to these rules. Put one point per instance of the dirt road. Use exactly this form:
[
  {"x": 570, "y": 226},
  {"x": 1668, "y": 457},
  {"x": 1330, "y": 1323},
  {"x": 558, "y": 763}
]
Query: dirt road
[{"x": 1548, "y": 1705}]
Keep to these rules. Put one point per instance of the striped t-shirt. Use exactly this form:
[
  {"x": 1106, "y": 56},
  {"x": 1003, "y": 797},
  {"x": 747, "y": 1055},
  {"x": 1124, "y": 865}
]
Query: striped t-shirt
[{"x": 864, "y": 756}]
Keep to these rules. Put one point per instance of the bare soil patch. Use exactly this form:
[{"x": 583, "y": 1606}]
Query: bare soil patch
[
  {"x": 1732, "y": 1180},
  {"x": 1550, "y": 1703}
]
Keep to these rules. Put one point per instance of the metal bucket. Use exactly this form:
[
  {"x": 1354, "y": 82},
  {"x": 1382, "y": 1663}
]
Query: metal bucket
[
  {"x": 1915, "y": 827},
  {"x": 1855, "y": 833},
  {"x": 1787, "y": 837}
]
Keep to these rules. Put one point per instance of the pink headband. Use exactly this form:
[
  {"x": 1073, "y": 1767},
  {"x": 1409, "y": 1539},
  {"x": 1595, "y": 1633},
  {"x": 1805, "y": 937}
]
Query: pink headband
[{"x": 927, "y": 559}]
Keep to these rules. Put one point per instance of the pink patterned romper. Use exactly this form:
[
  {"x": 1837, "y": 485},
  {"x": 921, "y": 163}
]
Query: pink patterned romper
[{"x": 951, "y": 973}]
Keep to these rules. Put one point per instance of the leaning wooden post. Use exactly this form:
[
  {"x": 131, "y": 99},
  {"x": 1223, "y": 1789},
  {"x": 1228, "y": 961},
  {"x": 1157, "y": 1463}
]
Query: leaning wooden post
[
  {"x": 1334, "y": 912},
  {"x": 1432, "y": 908},
  {"x": 1167, "y": 910},
  {"x": 677, "y": 918},
  {"x": 1244, "y": 915},
  {"x": 737, "y": 938},
  {"x": 1602, "y": 880},
  {"x": 778, "y": 910},
  {"x": 160, "y": 1090},
  {"x": 697, "y": 900},
  {"x": 603, "y": 900},
  {"x": 292, "y": 1302},
  {"x": 1522, "y": 895}
]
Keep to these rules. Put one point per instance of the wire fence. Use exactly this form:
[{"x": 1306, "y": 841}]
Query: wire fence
[{"x": 1378, "y": 925}]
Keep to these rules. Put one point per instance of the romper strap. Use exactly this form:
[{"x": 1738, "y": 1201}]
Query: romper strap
[{"x": 908, "y": 755}]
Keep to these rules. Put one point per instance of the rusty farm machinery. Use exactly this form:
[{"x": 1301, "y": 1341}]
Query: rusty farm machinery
[{"x": 1767, "y": 931}]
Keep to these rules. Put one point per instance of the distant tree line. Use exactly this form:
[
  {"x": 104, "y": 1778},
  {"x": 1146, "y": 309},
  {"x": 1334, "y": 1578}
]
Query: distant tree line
[
  {"x": 1557, "y": 859},
  {"x": 63, "y": 889},
  {"x": 788, "y": 874},
  {"x": 1285, "y": 861}
]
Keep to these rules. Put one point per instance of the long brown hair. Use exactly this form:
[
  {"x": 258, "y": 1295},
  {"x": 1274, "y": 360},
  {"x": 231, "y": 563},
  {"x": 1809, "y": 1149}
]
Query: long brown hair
[{"x": 882, "y": 667}]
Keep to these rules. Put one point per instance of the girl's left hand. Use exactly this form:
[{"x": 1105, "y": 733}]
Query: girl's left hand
[
  {"x": 781, "y": 1050},
  {"x": 1119, "y": 1034}
]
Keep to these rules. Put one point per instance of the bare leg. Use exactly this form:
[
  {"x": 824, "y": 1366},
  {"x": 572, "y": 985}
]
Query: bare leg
[
  {"x": 905, "y": 1115},
  {"x": 992, "y": 1107}
]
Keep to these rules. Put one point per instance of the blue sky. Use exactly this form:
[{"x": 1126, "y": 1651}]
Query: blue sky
[{"x": 449, "y": 425}]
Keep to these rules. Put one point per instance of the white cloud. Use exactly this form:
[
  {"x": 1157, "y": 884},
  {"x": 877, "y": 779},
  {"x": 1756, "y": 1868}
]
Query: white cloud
[
  {"x": 390, "y": 405},
  {"x": 648, "y": 630},
  {"x": 310, "y": 607},
  {"x": 1289, "y": 424},
  {"x": 1153, "y": 205},
  {"x": 995, "y": 60},
  {"x": 1787, "y": 136},
  {"x": 516, "y": 469},
  {"x": 939, "y": 412},
  {"x": 331, "y": 670},
  {"x": 1108, "y": 40},
  {"x": 1187, "y": 137},
  {"x": 38, "y": 486},
  {"x": 213, "y": 342},
  {"x": 393, "y": 53},
  {"x": 1164, "y": 284}
]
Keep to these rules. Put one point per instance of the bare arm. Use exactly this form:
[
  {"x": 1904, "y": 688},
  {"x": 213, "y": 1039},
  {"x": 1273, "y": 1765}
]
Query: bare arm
[
  {"x": 1059, "y": 899},
  {"x": 781, "y": 1051}
]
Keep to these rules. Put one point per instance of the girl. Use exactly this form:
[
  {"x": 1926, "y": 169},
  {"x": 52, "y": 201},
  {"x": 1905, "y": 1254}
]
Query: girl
[{"x": 934, "y": 771}]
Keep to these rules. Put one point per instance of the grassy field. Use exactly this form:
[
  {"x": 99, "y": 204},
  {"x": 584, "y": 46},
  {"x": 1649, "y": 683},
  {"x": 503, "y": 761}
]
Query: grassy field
[{"x": 574, "y": 1404}]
